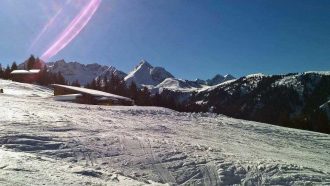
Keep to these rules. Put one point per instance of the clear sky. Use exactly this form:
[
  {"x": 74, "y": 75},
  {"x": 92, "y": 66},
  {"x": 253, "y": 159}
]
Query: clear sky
[{"x": 190, "y": 38}]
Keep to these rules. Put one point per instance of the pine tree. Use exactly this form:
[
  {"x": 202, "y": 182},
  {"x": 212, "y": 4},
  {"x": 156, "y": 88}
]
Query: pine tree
[
  {"x": 76, "y": 84},
  {"x": 31, "y": 62},
  {"x": 121, "y": 88},
  {"x": 157, "y": 100},
  {"x": 133, "y": 91},
  {"x": 38, "y": 64},
  {"x": 114, "y": 81},
  {"x": 7, "y": 72},
  {"x": 93, "y": 85},
  {"x": 98, "y": 84},
  {"x": 1, "y": 71},
  {"x": 44, "y": 77},
  {"x": 60, "y": 79},
  {"x": 105, "y": 87},
  {"x": 143, "y": 97},
  {"x": 13, "y": 66}
]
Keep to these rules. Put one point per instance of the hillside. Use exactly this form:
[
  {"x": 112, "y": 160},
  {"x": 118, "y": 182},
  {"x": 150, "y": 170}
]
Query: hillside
[
  {"x": 291, "y": 100},
  {"x": 47, "y": 142}
]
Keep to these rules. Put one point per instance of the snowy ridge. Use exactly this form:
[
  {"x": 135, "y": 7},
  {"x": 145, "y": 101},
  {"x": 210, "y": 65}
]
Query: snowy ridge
[
  {"x": 178, "y": 84},
  {"x": 217, "y": 79},
  {"x": 83, "y": 73}
]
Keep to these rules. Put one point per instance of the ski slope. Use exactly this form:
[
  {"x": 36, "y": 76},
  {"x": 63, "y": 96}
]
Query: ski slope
[{"x": 43, "y": 141}]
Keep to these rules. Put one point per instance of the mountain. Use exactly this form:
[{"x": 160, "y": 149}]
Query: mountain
[
  {"x": 178, "y": 84},
  {"x": 178, "y": 89},
  {"x": 145, "y": 74},
  {"x": 293, "y": 100},
  {"x": 217, "y": 79},
  {"x": 83, "y": 73}
]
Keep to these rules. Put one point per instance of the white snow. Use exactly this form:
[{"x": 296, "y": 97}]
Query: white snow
[
  {"x": 327, "y": 73},
  {"x": 58, "y": 143},
  {"x": 93, "y": 92},
  {"x": 255, "y": 75},
  {"x": 23, "y": 89},
  {"x": 32, "y": 71},
  {"x": 179, "y": 85},
  {"x": 67, "y": 97}
]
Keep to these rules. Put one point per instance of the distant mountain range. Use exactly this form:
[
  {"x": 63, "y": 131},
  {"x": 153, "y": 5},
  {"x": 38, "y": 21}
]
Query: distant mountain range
[
  {"x": 83, "y": 73},
  {"x": 298, "y": 100},
  {"x": 144, "y": 74}
]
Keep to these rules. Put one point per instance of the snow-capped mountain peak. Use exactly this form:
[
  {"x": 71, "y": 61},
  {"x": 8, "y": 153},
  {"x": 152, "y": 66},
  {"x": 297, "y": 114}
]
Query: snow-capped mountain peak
[
  {"x": 144, "y": 64},
  {"x": 146, "y": 74}
]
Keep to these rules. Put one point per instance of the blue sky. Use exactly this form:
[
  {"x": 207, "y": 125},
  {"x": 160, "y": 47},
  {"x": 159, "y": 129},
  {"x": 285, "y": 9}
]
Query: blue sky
[{"x": 190, "y": 38}]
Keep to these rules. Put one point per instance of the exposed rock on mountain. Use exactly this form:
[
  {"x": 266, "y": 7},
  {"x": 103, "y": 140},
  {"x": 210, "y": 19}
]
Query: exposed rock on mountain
[{"x": 83, "y": 73}]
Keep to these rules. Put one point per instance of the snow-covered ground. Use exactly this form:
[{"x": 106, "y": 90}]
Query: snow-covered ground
[{"x": 57, "y": 143}]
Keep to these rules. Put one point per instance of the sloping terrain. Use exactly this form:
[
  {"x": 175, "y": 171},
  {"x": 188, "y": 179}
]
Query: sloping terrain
[
  {"x": 293, "y": 100},
  {"x": 47, "y": 142}
]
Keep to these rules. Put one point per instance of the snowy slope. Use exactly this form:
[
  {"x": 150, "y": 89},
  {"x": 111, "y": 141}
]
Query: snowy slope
[
  {"x": 178, "y": 85},
  {"x": 57, "y": 143},
  {"x": 179, "y": 89},
  {"x": 13, "y": 88},
  {"x": 293, "y": 99},
  {"x": 145, "y": 74},
  {"x": 83, "y": 73}
]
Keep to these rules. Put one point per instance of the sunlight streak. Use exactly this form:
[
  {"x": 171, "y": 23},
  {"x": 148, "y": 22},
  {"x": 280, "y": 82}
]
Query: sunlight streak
[
  {"x": 48, "y": 25},
  {"x": 72, "y": 30}
]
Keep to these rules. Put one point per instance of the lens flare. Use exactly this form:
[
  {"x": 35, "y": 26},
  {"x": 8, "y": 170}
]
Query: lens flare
[
  {"x": 45, "y": 28},
  {"x": 72, "y": 30},
  {"x": 48, "y": 25}
]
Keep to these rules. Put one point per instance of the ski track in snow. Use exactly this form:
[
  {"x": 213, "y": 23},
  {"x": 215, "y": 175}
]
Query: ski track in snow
[{"x": 56, "y": 143}]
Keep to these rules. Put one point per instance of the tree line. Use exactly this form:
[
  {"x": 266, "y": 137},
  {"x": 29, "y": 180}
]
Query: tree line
[
  {"x": 141, "y": 95},
  {"x": 5, "y": 72},
  {"x": 45, "y": 77}
]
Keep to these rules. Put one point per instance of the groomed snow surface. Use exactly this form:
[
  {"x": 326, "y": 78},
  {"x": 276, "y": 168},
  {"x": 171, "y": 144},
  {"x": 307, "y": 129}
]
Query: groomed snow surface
[{"x": 43, "y": 141}]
